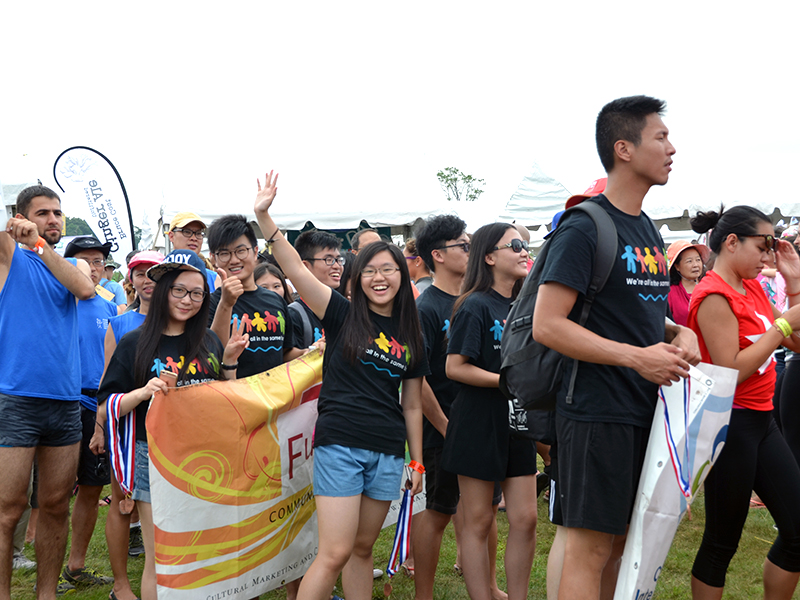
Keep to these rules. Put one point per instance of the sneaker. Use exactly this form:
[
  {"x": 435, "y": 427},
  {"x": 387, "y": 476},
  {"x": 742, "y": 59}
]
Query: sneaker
[
  {"x": 22, "y": 562},
  {"x": 135, "y": 543},
  {"x": 86, "y": 576},
  {"x": 63, "y": 588}
]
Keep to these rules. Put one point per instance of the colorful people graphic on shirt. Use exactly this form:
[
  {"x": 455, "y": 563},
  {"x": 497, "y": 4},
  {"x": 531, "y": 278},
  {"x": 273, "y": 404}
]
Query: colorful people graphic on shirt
[
  {"x": 446, "y": 327},
  {"x": 497, "y": 329},
  {"x": 259, "y": 322},
  {"x": 650, "y": 261},
  {"x": 397, "y": 348},
  {"x": 662, "y": 262},
  {"x": 631, "y": 258},
  {"x": 382, "y": 342}
]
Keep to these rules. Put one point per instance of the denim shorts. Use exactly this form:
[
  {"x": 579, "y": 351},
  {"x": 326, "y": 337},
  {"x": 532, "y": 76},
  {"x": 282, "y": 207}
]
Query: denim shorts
[
  {"x": 29, "y": 422},
  {"x": 341, "y": 471},
  {"x": 141, "y": 474}
]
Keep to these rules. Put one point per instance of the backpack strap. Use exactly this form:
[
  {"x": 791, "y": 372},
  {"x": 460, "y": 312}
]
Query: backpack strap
[
  {"x": 308, "y": 333},
  {"x": 601, "y": 269}
]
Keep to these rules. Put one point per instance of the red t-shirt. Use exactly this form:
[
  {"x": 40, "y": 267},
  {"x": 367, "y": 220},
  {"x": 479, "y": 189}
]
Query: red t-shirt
[{"x": 754, "y": 313}]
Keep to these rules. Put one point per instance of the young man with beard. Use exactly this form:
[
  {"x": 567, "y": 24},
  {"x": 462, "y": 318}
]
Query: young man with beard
[
  {"x": 40, "y": 381},
  {"x": 603, "y": 432},
  {"x": 265, "y": 314}
]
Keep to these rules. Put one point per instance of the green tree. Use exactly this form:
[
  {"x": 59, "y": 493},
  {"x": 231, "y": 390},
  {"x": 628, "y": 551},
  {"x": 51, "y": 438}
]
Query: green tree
[
  {"x": 460, "y": 186},
  {"x": 77, "y": 226}
]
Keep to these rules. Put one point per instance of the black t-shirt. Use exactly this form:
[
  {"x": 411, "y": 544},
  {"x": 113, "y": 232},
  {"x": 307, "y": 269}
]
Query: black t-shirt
[
  {"x": 298, "y": 326},
  {"x": 477, "y": 442},
  {"x": 267, "y": 321},
  {"x": 359, "y": 404},
  {"x": 435, "y": 309},
  {"x": 630, "y": 309},
  {"x": 119, "y": 376}
]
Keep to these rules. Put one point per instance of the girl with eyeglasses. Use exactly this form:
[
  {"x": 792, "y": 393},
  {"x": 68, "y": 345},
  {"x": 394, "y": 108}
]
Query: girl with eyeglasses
[
  {"x": 738, "y": 327},
  {"x": 374, "y": 345},
  {"x": 478, "y": 446},
  {"x": 173, "y": 338}
]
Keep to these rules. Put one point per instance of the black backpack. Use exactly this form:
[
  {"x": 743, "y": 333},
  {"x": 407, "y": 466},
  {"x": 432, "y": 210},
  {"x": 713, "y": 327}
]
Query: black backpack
[{"x": 530, "y": 371}]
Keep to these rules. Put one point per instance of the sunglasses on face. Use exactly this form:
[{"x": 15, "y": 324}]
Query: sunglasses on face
[
  {"x": 463, "y": 245},
  {"x": 770, "y": 240},
  {"x": 516, "y": 245}
]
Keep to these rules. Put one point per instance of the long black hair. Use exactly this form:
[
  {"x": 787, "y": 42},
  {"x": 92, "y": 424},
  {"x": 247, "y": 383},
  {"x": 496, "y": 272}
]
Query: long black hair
[
  {"x": 156, "y": 322},
  {"x": 480, "y": 276},
  {"x": 739, "y": 220},
  {"x": 358, "y": 329}
]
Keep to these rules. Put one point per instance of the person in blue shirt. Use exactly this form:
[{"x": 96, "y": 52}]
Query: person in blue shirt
[
  {"x": 93, "y": 317},
  {"x": 39, "y": 380}
]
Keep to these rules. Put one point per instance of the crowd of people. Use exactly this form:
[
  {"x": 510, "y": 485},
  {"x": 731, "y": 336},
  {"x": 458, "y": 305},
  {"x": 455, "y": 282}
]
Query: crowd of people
[{"x": 412, "y": 354}]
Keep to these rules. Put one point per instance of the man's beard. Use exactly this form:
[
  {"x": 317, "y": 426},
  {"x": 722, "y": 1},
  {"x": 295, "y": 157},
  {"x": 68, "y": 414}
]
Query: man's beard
[{"x": 52, "y": 237}]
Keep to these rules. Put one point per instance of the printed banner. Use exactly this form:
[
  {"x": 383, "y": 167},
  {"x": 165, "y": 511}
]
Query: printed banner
[
  {"x": 231, "y": 471},
  {"x": 688, "y": 433},
  {"x": 93, "y": 191}
]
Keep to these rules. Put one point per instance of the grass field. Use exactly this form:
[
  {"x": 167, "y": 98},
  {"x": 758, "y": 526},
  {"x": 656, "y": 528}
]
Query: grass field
[{"x": 743, "y": 583}]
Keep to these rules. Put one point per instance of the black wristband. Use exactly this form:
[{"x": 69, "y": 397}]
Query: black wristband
[{"x": 230, "y": 367}]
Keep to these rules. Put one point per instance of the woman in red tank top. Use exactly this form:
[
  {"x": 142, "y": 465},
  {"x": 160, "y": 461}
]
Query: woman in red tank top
[{"x": 737, "y": 327}]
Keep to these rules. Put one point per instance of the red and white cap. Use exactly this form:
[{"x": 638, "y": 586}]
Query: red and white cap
[{"x": 598, "y": 187}]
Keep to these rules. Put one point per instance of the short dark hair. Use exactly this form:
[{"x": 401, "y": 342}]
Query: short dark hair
[
  {"x": 309, "y": 243},
  {"x": 227, "y": 229},
  {"x": 434, "y": 232},
  {"x": 29, "y": 193},
  {"x": 623, "y": 119}
]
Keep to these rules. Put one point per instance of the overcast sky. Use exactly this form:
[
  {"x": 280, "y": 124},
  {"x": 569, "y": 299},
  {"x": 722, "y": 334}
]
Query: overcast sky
[{"x": 365, "y": 102}]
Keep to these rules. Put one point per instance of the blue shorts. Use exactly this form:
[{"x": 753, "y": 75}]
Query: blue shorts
[
  {"x": 341, "y": 471},
  {"x": 29, "y": 422},
  {"x": 141, "y": 474}
]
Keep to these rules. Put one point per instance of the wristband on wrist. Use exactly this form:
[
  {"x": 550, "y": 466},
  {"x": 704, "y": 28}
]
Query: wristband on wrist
[
  {"x": 795, "y": 294},
  {"x": 271, "y": 240},
  {"x": 39, "y": 245},
  {"x": 232, "y": 367},
  {"x": 416, "y": 467},
  {"x": 782, "y": 325}
]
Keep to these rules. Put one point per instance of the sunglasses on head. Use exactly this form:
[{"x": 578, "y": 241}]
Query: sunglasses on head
[
  {"x": 770, "y": 240},
  {"x": 516, "y": 245}
]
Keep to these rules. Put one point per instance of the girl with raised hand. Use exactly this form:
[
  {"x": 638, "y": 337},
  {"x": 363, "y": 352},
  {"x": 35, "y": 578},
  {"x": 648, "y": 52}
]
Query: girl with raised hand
[
  {"x": 478, "y": 446},
  {"x": 173, "y": 337},
  {"x": 374, "y": 344},
  {"x": 737, "y": 327}
]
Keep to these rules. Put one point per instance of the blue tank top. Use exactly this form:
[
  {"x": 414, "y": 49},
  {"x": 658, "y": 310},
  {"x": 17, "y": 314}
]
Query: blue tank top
[
  {"x": 124, "y": 323},
  {"x": 39, "y": 326},
  {"x": 93, "y": 317}
]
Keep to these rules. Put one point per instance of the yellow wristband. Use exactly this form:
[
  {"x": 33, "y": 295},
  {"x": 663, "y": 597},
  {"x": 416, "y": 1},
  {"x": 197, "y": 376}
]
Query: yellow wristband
[{"x": 783, "y": 326}]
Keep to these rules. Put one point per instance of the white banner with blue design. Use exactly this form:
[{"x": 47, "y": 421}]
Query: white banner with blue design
[{"x": 688, "y": 433}]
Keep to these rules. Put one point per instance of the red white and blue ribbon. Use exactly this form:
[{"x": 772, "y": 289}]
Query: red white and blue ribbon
[
  {"x": 680, "y": 464},
  {"x": 402, "y": 535},
  {"x": 121, "y": 442}
]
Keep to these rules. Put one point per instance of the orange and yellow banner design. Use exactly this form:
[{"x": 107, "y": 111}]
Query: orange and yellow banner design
[{"x": 231, "y": 482}]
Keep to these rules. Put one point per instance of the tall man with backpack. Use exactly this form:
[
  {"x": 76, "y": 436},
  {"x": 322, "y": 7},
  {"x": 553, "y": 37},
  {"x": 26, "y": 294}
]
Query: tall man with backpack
[{"x": 625, "y": 350}]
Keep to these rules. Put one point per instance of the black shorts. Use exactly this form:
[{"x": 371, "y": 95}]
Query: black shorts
[
  {"x": 599, "y": 465},
  {"x": 92, "y": 469},
  {"x": 441, "y": 487},
  {"x": 30, "y": 422}
]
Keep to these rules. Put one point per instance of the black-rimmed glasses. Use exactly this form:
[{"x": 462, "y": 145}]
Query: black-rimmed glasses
[
  {"x": 463, "y": 245},
  {"x": 330, "y": 260},
  {"x": 180, "y": 292},
  {"x": 224, "y": 256},
  {"x": 771, "y": 241},
  {"x": 190, "y": 233},
  {"x": 516, "y": 245}
]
